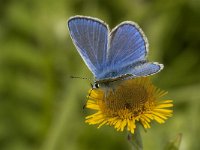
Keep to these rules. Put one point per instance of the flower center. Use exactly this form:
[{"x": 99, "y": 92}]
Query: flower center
[{"x": 132, "y": 98}]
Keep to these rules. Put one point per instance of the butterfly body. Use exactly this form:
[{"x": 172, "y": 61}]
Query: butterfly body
[{"x": 113, "y": 55}]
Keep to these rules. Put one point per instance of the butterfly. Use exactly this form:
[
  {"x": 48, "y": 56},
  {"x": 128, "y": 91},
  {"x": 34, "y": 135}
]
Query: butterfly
[{"x": 112, "y": 55}]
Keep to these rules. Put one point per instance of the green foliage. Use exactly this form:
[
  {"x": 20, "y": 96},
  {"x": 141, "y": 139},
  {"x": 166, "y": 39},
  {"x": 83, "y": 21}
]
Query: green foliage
[
  {"x": 41, "y": 107},
  {"x": 174, "y": 144}
]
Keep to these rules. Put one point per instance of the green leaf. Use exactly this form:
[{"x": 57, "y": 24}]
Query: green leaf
[{"x": 175, "y": 143}]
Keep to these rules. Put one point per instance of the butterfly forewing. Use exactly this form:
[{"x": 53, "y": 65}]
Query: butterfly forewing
[
  {"x": 90, "y": 36},
  {"x": 127, "y": 45}
]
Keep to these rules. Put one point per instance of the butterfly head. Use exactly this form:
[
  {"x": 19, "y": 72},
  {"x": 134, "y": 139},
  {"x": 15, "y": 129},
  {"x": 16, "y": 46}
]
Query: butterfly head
[{"x": 96, "y": 85}]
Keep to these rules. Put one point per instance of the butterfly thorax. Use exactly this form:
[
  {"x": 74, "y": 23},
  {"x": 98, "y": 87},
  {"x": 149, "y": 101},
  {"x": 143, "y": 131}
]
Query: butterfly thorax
[{"x": 110, "y": 82}]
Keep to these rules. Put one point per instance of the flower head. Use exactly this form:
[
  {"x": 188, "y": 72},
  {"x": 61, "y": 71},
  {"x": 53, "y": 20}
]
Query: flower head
[{"x": 135, "y": 100}]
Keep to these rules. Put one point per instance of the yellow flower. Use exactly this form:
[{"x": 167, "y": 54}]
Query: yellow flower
[{"x": 131, "y": 101}]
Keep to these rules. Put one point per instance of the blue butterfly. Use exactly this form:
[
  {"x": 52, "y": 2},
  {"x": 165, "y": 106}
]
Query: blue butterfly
[{"x": 112, "y": 55}]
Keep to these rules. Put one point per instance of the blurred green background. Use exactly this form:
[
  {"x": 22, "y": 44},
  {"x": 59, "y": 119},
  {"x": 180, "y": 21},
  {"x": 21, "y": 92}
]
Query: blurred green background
[{"x": 41, "y": 107}]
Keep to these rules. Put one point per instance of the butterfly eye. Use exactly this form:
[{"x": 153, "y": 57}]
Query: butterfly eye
[{"x": 96, "y": 85}]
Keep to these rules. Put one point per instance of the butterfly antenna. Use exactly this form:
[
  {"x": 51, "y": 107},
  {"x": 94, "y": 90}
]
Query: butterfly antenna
[
  {"x": 92, "y": 87},
  {"x": 73, "y": 77},
  {"x": 84, "y": 106}
]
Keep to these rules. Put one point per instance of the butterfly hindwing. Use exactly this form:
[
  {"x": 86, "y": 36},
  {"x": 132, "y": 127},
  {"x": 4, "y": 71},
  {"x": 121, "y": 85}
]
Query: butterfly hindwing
[{"x": 145, "y": 69}]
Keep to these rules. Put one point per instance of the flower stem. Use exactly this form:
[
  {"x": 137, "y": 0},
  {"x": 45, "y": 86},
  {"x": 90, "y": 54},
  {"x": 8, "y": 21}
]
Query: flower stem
[{"x": 135, "y": 139}]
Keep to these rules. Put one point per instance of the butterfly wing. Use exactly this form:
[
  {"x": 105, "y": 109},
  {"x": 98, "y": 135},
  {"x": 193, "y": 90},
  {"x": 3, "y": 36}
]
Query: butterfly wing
[
  {"x": 127, "y": 52},
  {"x": 127, "y": 45},
  {"x": 90, "y": 36},
  {"x": 143, "y": 69}
]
